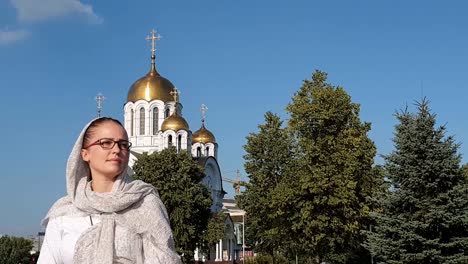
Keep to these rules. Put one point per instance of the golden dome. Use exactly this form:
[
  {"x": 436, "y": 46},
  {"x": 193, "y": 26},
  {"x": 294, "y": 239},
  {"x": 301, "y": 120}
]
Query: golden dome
[
  {"x": 174, "y": 122},
  {"x": 151, "y": 87},
  {"x": 203, "y": 136}
]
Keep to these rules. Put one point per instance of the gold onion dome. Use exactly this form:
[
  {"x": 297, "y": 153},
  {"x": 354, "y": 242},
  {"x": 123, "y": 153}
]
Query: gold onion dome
[
  {"x": 203, "y": 136},
  {"x": 174, "y": 122},
  {"x": 151, "y": 87}
]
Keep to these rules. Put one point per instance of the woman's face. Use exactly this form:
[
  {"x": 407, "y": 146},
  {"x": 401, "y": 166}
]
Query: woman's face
[{"x": 106, "y": 163}]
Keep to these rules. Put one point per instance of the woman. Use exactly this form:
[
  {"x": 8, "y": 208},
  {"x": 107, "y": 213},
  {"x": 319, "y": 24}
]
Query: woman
[{"x": 106, "y": 218}]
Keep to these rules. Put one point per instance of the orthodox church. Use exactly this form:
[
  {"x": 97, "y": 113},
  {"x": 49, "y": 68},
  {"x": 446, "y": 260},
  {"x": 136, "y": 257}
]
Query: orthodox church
[{"x": 154, "y": 121}]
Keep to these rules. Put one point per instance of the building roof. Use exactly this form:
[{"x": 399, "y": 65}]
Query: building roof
[{"x": 230, "y": 205}]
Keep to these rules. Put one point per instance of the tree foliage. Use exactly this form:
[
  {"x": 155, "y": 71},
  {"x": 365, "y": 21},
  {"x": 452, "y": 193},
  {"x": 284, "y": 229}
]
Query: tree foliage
[
  {"x": 14, "y": 250},
  {"x": 269, "y": 153},
  {"x": 334, "y": 176},
  {"x": 311, "y": 182},
  {"x": 424, "y": 217},
  {"x": 465, "y": 171},
  {"x": 214, "y": 232},
  {"x": 178, "y": 180}
]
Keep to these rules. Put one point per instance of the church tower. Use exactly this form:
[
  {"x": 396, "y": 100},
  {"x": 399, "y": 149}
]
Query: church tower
[
  {"x": 153, "y": 114},
  {"x": 153, "y": 121},
  {"x": 203, "y": 141}
]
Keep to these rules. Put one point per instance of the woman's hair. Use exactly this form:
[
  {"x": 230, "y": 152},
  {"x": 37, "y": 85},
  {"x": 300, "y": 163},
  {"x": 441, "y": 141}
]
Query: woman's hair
[{"x": 90, "y": 130}]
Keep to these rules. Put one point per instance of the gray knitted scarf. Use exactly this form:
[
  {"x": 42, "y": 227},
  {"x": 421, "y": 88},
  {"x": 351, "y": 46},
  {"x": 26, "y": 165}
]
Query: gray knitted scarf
[{"x": 133, "y": 205}]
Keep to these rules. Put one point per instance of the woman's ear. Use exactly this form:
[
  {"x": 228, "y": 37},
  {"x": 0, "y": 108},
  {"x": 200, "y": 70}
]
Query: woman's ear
[{"x": 85, "y": 155}]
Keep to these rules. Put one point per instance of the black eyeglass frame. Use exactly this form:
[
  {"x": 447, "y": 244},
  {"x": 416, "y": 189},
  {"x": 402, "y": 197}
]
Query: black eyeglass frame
[{"x": 119, "y": 144}]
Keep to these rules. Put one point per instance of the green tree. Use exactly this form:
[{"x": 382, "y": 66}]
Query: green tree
[
  {"x": 178, "y": 180},
  {"x": 424, "y": 217},
  {"x": 465, "y": 170},
  {"x": 214, "y": 232},
  {"x": 14, "y": 250},
  {"x": 334, "y": 178},
  {"x": 267, "y": 159}
]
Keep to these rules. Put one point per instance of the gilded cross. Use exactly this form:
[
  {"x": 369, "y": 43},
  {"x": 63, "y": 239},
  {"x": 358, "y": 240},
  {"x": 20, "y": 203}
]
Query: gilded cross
[
  {"x": 203, "y": 110},
  {"x": 99, "y": 99},
  {"x": 153, "y": 39},
  {"x": 175, "y": 93}
]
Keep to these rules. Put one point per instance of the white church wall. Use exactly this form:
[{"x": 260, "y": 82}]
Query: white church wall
[
  {"x": 214, "y": 183},
  {"x": 195, "y": 146},
  {"x": 141, "y": 104},
  {"x": 211, "y": 147},
  {"x": 184, "y": 135},
  {"x": 166, "y": 135},
  {"x": 160, "y": 105},
  {"x": 128, "y": 108}
]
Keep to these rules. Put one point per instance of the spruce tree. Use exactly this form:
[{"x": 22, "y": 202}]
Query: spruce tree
[
  {"x": 333, "y": 178},
  {"x": 424, "y": 214}
]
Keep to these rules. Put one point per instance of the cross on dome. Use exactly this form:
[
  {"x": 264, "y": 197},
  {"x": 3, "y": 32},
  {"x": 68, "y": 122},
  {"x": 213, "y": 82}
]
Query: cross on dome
[
  {"x": 203, "y": 110},
  {"x": 175, "y": 93},
  {"x": 99, "y": 99},
  {"x": 153, "y": 39}
]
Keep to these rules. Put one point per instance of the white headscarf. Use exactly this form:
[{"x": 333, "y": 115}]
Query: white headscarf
[{"x": 133, "y": 205}]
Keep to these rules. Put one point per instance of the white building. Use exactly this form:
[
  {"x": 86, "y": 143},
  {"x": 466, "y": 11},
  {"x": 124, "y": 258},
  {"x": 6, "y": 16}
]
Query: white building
[
  {"x": 154, "y": 121},
  {"x": 238, "y": 218}
]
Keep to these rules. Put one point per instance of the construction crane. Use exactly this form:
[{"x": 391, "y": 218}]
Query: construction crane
[{"x": 236, "y": 184}]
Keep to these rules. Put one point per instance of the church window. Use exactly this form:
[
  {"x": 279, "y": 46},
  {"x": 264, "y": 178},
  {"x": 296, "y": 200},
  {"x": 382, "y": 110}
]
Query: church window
[
  {"x": 179, "y": 142},
  {"x": 155, "y": 120},
  {"x": 207, "y": 153},
  {"x": 166, "y": 113},
  {"x": 169, "y": 141},
  {"x": 199, "y": 152},
  {"x": 142, "y": 121},
  {"x": 132, "y": 116}
]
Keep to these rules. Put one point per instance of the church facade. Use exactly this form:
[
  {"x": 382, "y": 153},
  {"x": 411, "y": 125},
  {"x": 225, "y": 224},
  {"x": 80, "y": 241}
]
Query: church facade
[{"x": 154, "y": 121}]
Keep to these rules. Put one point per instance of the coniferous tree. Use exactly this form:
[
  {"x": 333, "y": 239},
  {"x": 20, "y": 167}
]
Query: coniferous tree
[
  {"x": 333, "y": 178},
  {"x": 465, "y": 170},
  {"x": 424, "y": 217},
  {"x": 178, "y": 180}
]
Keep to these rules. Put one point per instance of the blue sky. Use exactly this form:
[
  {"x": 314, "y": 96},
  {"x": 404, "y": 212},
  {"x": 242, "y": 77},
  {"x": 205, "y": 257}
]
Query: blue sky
[{"x": 240, "y": 58}]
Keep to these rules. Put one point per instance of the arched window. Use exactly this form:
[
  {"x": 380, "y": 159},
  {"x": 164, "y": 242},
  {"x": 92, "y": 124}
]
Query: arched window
[
  {"x": 179, "y": 142},
  {"x": 132, "y": 116},
  {"x": 207, "y": 153},
  {"x": 166, "y": 113},
  {"x": 155, "y": 120},
  {"x": 198, "y": 151},
  {"x": 169, "y": 140},
  {"x": 142, "y": 121}
]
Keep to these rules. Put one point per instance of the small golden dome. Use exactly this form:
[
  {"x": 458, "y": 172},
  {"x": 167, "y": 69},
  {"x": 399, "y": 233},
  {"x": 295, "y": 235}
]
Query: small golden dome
[
  {"x": 151, "y": 87},
  {"x": 174, "y": 122},
  {"x": 203, "y": 136}
]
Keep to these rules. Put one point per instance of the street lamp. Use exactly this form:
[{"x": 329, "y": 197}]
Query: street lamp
[{"x": 243, "y": 237}]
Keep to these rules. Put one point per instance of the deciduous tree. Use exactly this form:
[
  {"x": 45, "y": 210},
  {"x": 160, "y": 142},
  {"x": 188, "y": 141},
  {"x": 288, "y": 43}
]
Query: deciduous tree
[
  {"x": 214, "y": 232},
  {"x": 14, "y": 250},
  {"x": 333, "y": 178},
  {"x": 267, "y": 159},
  {"x": 178, "y": 180}
]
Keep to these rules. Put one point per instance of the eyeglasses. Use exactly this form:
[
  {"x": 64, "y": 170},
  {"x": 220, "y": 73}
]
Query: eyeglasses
[{"x": 109, "y": 143}]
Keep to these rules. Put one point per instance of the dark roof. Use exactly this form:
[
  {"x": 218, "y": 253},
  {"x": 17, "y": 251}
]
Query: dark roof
[
  {"x": 236, "y": 218},
  {"x": 136, "y": 154},
  {"x": 201, "y": 160}
]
